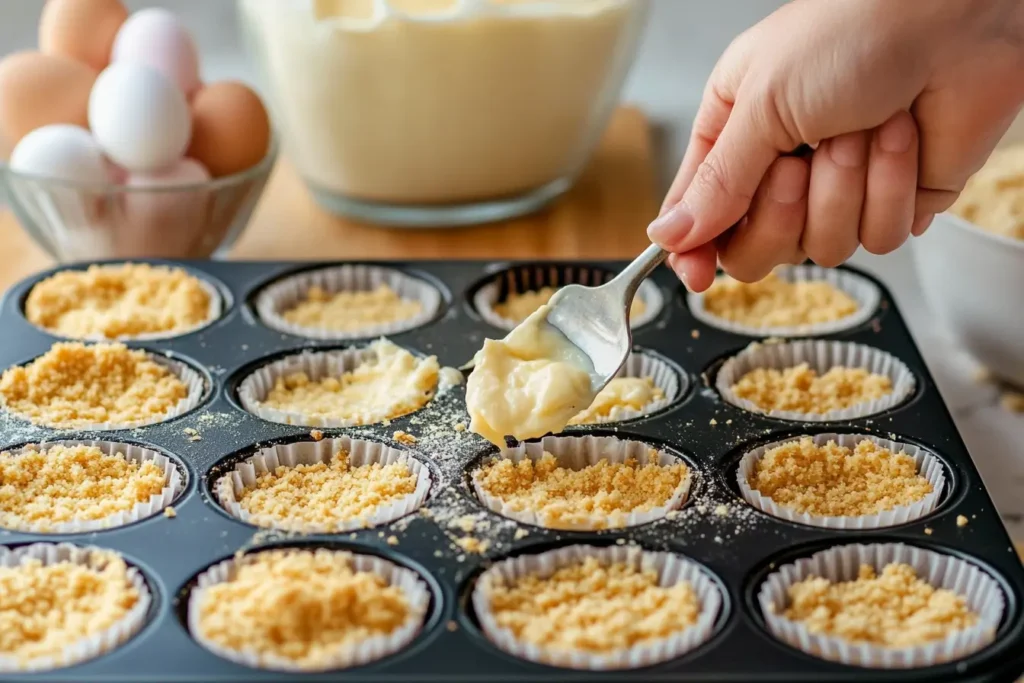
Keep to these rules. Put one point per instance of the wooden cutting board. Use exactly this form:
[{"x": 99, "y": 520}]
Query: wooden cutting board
[{"x": 603, "y": 216}]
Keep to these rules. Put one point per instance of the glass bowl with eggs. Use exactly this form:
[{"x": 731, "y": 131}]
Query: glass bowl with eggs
[{"x": 111, "y": 146}]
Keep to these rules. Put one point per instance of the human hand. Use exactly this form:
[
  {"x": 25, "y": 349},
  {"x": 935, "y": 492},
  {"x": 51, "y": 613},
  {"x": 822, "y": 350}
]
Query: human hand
[{"x": 903, "y": 102}]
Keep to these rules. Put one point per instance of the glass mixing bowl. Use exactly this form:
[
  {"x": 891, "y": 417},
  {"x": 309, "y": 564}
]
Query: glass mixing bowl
[{"x": 441, "y": 112}]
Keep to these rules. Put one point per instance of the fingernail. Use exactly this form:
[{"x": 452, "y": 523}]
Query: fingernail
[
  {"x": 671, "y": 226},
  {"x": 896, "y": 134},
  {"x": 848, "y": 150},
  {"x": 787, "y": 185}
]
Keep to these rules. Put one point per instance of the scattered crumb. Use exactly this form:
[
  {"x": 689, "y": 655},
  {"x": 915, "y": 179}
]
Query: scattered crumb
[
  {"x": 728, "y": 422},
  {"x": 452, "y": 626},
  {"x": 316, "y": 435},
  {"x": 472, "y": 544},
  {"x": 718, "y": 539},
  {"x": 702, "y": 509},
  {"x": 801, "y": 389},
  {"x": 192, "y": 434},
  {"x": 695, "y": 334},
  {"x": 713, "y": 422},
  {"x": 460, "y": 426},
  {"x": 928, "y": 531},
  {"x": 961, "y": 520},
  {"x": 392, "y": 540},
  {"x": 404, "y": 437},
  {"x": 896, "y": 609},
  {"x": 520, "y": 534},
  {"x": 170, "y": 512},
  {"x": 722, "y": 510}
]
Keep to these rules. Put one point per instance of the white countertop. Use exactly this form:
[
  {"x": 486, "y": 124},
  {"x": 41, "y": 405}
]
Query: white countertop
[{"x": 682, "y": 42}]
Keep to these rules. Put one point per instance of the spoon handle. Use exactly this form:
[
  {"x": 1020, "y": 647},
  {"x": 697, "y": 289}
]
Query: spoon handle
[{"x": 642, "y": 266}]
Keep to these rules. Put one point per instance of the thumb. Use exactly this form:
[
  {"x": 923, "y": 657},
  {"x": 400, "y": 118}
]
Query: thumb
[{"x": 723, "y": 185}]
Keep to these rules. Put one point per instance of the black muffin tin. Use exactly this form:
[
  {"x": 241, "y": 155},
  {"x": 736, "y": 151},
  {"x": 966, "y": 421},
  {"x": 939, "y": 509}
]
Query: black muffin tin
[{"x": 739, "y": 548}]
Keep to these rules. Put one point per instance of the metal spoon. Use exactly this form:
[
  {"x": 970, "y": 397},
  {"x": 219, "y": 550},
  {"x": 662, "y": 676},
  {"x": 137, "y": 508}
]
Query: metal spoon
[{"x": 596, "y": 319}]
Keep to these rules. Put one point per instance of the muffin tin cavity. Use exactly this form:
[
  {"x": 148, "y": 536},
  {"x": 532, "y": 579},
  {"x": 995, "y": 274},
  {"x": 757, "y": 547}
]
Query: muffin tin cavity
[
  {"x": 379, "y": 484},
  {"x": 621, "y": 478},
  {"x": 305, "y": 388},
  {"x": 166, "y": 479},
  {"x": 864, "y": 293},
  {"x": 489, "y": 294},
  {"x": 385, "y": 301},
  {"x": 819, "y": 356},
  {"x": 927, "y": 465},
  {"x": 449, "y": 537}
]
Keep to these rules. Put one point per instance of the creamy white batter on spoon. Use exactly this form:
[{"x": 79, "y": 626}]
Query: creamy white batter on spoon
[{"x": 529, "y": 384}]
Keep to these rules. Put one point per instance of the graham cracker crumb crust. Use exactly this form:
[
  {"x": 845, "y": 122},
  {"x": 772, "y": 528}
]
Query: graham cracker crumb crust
[
  {"x": 593, "y": 607},
  {"x": 303, "y": 606},
  {"x": 326, "y": 493},
  {"x": 74, "y": 385},
  {"x": 598, "y": 496},
  {"x": 389, "y": 384},
  {"x": 124, "y": 300},
  {"x": 45, "y": 609},
  {"x": 837, "y": 481},
  {"x": 622, "y": 393},
  {"x": 774, "y": 302},
  {"x": 348, "y": 311},
  {"x": 520, "y": 305},
  {"x": 800, "y": 388},
  {"x": 47, "y": 485},
  {"x": 894, "y": 609}
]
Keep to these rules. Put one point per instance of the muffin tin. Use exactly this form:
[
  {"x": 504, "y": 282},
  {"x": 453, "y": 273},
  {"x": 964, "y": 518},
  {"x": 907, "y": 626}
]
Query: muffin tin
[{"x": 738, "y": 548}]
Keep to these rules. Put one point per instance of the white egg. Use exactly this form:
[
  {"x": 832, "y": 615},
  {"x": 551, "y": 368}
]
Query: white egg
[
  {"x": 139, "y": 117},
  {"x": 164, "y": 223},
  {"x": 155, "y": 37},
  {"x": 60, "y": 151}
]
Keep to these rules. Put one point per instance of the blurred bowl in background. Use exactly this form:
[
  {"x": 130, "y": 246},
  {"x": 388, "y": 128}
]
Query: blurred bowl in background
[
  {"x": 75, "y": 221},
  {"x": 974, "y": 281}
]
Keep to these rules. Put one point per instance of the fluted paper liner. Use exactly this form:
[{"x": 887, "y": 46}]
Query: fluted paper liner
[
  {"x": 92, "y": 646},
  {"x": 534, "y": 277},
  {"x": 290, "y": 290},
  {"x": 289, "y": 455},
  {"x": 928, "y": 466},
  {"x": 317, "y": 365},
  {"x": 577, "y": 452},
  {"x": 412, "y": 586},
  {"x": 859, "y": 288},
  {"x": 672, "y": 569},
  {"x": 191, "y": 378},
  {"x": 640, "y": 363},
  {"x": 821, "y": 356},
  {"x": 214, "y": 310},
  {"x": 173, "y": 486},
  {"x": 981, "y": 592}
]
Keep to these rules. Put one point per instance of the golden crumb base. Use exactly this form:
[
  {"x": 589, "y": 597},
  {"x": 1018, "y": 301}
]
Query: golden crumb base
[
  {"x": 633, "y": 393},
  {"x": 46, "y": 485},
  {"x": 993, "y": 198},
  {"x": 597, "y": 496},
  {"x": 592, "y": 607},
  {"x": 74, "y": 385},
  {"x": 519, "y": 306},
  {"x": 351, "y": 310},
  {"x": 894, "y": 609},
  {"x": 121, "y": 300},
  {"x": 44, "y": 609},
  {"x": 391, "y": 383},
  {"x": 801, "y": 389},
  {"x": 326, "y": 493},
  {"x": 774, "y": 302},
  {"x": 299, "y": 605},
  {"x": 836, "y": 481}
]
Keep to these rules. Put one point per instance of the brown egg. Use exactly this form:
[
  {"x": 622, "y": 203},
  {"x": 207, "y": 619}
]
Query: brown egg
[
  {"x": 81, "y": 29},
  {"x": 230, "y": 128},
  {"x": 37, "y": 90}
]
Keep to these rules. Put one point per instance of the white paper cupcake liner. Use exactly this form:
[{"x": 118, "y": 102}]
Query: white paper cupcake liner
[
  {"x": 284, "y": 294},
  {"x": 577, "y": 452},
  {"x": 213, "y": 314},
  {"x": 859, "y": 288},
  {"x": 528, "y": 278},
  {"x": 412, "y": 586},
  {"x": 643, "y": 364},
  {"x": 928, "y": 466},
  {"x": 672, "y": 569},
  {"x": 821, "y": 356},
  {"x": 173, "y": 485},
  {"x": 317, "y": 365},
  {"x": 191, "y": 378},
  {"x": 360, "y": 453},
  {"x": 981, "y": 592},
  {"x": 91, "y": 646}
]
